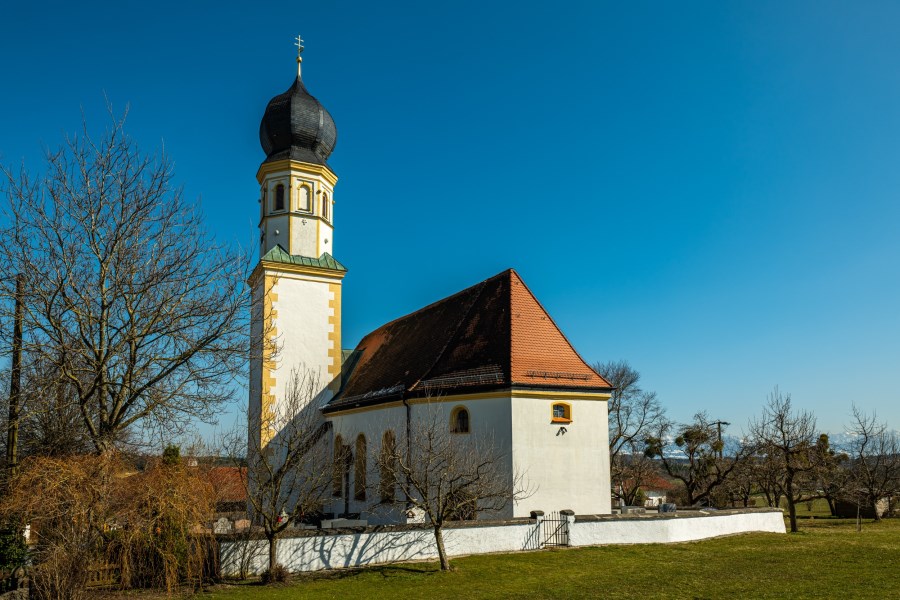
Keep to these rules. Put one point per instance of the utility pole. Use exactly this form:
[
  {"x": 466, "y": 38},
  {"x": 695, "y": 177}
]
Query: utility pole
[
  {"x": 15, "y": 382},
  {"x": 718, "y": 425}
]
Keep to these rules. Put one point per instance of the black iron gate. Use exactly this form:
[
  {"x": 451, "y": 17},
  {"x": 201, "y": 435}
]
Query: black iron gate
[{"x": 555, "y": 530}]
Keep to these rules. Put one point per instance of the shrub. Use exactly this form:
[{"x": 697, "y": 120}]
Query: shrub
[{"x": 277, "y": 574}]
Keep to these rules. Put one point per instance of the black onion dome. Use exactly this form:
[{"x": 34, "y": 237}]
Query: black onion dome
[{"x": 297, "y": 126}]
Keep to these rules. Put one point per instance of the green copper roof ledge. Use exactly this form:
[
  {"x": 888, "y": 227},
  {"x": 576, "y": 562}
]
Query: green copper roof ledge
[{"x": 326, "y": 261}]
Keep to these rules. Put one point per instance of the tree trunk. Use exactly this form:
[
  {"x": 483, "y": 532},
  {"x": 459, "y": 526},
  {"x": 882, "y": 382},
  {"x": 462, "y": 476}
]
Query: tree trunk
[
  {"x": 273, "y": 542},
  {"x": 442, "y": 553},
  {"x": 15, "y": 384},
  {"x": 874, "y": 503}
]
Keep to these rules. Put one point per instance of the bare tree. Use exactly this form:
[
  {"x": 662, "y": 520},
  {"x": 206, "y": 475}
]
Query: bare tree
[
  {"x": 875, "y": 466},
  {"x": 445, "y": 476},
  {"x": 789, "y": 439},
  {"x": 633, "y": 415},
  {"x": 50, "y": 422},
  {"x": 288, "y": 476},
  {"x": 698, "y": 462},
  {"x": 142, "y": 311},
  {"x": 635, "y": 471}
]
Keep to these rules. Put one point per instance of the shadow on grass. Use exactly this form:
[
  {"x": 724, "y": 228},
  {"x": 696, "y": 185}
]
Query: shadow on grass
[{"x": 405, "y": 571}]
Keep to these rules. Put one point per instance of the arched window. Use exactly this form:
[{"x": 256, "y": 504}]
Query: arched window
[
  {"x": 279, "y": 196},
  {"x": 303, "y": 198},
  {"x": 340, "y": 464},
  {"x": 359, "y": 470},
  {"x": 388, "y": 463},
  {"x": 561, "y": 412},
  {"x": 459, "y": 420},
  {"x": 325, "y": 206}
]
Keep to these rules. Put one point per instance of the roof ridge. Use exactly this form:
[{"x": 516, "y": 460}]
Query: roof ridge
[{"x": 437, "y": 302}]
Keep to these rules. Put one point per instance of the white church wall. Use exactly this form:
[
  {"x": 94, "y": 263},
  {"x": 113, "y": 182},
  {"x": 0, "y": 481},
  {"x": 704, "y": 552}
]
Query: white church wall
[
  {"x": 566, "y": 464},
  {"x": 372, "y": 424},
  {"x": 489, "y": 423}
]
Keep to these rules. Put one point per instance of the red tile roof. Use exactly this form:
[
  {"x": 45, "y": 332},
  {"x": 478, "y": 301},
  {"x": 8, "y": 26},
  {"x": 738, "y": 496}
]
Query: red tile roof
[
  {"x": 229, "y": 483},
  {"x": 493, "y": 335}
]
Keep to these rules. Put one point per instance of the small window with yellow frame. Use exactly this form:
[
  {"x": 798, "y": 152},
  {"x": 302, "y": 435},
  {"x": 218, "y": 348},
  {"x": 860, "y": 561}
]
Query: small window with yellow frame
[{"x": 561, "y": 412}]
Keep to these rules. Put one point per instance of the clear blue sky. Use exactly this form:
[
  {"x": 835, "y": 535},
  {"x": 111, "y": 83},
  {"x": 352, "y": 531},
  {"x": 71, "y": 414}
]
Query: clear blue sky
[{"x": 707, "y": 189}]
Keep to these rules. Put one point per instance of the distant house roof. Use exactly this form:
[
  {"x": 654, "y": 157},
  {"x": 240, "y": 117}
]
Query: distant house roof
[
  {"x": 228, "y": 483},
  {"x": 658, "y": 484},
  {"x": 493, "y": 335}
]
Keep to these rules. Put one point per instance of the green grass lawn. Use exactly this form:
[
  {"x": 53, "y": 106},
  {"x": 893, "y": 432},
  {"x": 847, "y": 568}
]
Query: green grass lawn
[{"x": 827, "y": 559}]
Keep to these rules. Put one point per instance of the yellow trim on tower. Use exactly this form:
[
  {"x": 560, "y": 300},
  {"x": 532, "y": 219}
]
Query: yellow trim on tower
[
  {"x": 334, "y": 336},
  {"x": 295, "y": 165},
  {"x": 267, "y": 372}
]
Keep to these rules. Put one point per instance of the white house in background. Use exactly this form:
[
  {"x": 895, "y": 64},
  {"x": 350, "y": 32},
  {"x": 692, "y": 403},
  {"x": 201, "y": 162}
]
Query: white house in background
[{"x": 489, "y": 357}]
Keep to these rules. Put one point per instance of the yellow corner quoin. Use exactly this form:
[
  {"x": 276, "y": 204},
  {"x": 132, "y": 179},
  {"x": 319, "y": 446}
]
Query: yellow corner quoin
[
  {"x": 295, "y": 165},
  {"x": 267, "y": 373},
  {"x": 334, "y": 336}
]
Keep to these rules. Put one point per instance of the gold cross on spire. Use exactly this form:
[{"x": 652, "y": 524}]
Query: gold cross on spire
[{"x": 299, "y": 44}]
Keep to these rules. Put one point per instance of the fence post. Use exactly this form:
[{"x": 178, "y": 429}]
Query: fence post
[
  {"x": 569, "y": 516},
  {"x": 538, "y": 516}
]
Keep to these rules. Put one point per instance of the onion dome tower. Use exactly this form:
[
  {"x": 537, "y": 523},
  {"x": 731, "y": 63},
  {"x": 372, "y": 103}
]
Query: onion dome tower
[
  {"x": 296, "y": 287},
  {"x": 296, "y": 184}
]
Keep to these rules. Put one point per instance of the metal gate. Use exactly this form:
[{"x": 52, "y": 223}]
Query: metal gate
[{"x": 555, "y": 530}]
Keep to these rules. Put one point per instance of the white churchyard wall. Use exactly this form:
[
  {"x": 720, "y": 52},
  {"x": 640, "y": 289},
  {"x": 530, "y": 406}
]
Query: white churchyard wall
[{"x": 321, "y": 549}]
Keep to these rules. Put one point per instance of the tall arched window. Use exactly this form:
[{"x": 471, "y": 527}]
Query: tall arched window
[
  {"x": 359, "y": 469},
  {"x": 340, "y": 463},
  {"x": 388, "y": 466},
  {"x": 303, "y": 198},
  {"x": 325, "y": 206},
  {"x": 279, "y": 196},
  {"x": 459, "y": 420}
]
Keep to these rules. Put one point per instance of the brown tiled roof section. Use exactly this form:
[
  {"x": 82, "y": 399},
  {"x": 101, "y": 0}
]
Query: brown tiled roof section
[
  {"x": 228, "y": 483},
  {"x": 493, "y": 334},
  {"x": 540, "y": 351}
]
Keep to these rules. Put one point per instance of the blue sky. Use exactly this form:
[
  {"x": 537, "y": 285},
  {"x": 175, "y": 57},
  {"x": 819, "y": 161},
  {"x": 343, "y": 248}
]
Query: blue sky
[{"x": 706, "y": 189}]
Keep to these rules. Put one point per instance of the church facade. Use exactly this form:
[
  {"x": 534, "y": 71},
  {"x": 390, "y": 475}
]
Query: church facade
[{"x": 488, "y": 360}]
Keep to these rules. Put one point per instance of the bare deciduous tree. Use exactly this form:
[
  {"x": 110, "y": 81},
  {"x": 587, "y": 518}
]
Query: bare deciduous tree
[
  {"x": 875, "y": 466},
  {"x": 702, "y": 467},
  {"x": 288, "y": 476},
  {"x": 142, "y": 311},
  {"x": 789, "y": 440},
  {"x": 446, "y": 476},
  {"x": 634, "y": 414}
]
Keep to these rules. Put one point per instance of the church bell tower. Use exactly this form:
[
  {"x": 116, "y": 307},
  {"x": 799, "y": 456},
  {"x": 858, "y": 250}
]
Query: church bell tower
[{"x": 296, "y": 287}]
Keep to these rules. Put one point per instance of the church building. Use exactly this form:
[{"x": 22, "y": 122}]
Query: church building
[{"x": 489, "y": 358}]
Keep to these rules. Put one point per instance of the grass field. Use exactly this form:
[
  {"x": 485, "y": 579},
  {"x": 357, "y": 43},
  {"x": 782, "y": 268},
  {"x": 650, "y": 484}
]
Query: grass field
[{"x": 827, "y": 559}]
